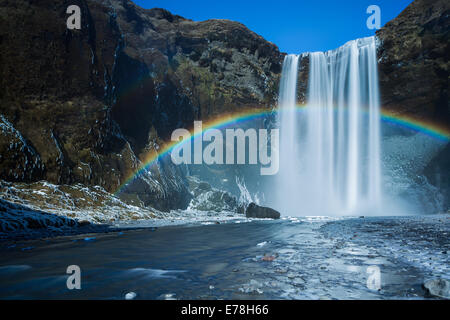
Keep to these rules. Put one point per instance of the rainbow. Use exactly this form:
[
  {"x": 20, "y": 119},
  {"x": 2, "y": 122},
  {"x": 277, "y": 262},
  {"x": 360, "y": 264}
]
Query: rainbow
[
  {"x": 429, "y": 128},
  {"x": 433, "y": 130}
]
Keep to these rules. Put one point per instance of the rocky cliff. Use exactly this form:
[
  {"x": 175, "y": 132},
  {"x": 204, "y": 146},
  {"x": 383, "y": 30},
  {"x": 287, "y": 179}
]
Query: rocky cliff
[
  {"x": 85, "y": 106},
  {"x": 414, "y": 55},
  {"x": 414, "y": 70}
]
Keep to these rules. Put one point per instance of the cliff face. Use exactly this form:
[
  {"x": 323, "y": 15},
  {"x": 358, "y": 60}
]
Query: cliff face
[
  {"x": 414, "y": 60},
  {"x": 414, "y": 69},
  {"x": 84, "y": 106},
  {"x": 198, "y": 69},
  {"x": 56, "y": 93},
  {"x": 438, "y": 174}
]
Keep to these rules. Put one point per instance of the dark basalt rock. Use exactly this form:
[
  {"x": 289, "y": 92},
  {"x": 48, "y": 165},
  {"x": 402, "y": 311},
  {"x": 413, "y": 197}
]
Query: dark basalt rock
[
  {"x": 413, "y": 56},
  {"x": 438, "y": 174},
  {"x": 414, "y": 51},
  {"x": 207, "y": 198},
  {"x": 86, "y": 106},
  {"x": 255, "y": 211}
]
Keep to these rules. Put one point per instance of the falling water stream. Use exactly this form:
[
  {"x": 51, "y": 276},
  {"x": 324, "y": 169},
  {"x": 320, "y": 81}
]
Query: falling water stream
[{"x": 330, "y": 153}]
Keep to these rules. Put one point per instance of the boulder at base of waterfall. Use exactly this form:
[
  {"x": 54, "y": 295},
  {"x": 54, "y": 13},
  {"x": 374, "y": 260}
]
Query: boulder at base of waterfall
[
  {"x": 255, "y": 211},
  {"x": 438, "y": 288}
]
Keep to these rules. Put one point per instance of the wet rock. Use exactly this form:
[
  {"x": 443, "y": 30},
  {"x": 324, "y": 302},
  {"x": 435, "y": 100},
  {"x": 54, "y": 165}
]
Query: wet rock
[
  {"x": 255, "y": 211},
  {"x": 19, "y": 219},
  {"x": 130, "y": 296},
  {"x": 438, "y": 288},
  {"x": 167, "y": 296},
  {"x": 437, "y": 173},
  {"x": 292, "y": 275},
  {"x": 207, "y": 198},
  {"x": 83, "y": 223}
]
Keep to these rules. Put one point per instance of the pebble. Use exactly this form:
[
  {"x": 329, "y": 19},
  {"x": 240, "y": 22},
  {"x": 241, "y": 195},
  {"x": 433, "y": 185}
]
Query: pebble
[
  {"x": 438, "y": 288},
  {"x": 268, "y": 258},
  {"x": 168, "y": 296}
]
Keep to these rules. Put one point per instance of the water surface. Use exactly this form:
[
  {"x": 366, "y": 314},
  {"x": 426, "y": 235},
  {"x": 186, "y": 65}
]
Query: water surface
[{"x": 299, "y": 258}]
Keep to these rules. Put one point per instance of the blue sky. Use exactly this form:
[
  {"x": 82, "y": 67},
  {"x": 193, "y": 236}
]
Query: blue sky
[{"x": 294, "y": 26}]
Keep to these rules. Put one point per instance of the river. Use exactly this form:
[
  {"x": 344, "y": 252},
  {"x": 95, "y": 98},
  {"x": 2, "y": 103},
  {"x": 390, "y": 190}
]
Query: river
[{"x": 292, "y": 258}]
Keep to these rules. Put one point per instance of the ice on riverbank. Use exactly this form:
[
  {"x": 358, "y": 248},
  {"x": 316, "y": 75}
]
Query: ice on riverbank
[{"x": 44, "y": 209}]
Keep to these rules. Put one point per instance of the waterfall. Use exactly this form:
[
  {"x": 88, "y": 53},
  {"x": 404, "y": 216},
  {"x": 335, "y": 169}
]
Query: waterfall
[
  {"x": 330, "y": 152},
  {"x": 288, "y": 122}
]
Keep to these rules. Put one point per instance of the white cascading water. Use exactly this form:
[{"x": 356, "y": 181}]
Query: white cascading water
[
  {"x": 288, "y": 134},
  {"x": 330, "y": 152}
]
